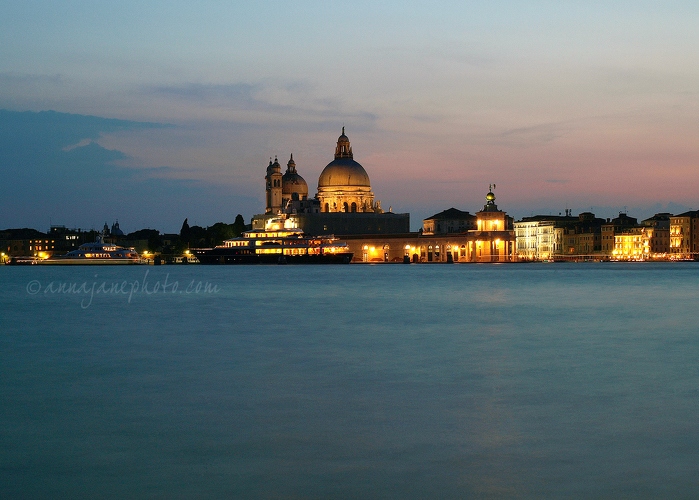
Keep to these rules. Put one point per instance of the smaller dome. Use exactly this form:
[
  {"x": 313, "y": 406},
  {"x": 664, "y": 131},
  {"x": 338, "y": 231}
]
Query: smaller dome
[
  {"x": 490, "y": 196},
  {"x": 292, "y": 182}
]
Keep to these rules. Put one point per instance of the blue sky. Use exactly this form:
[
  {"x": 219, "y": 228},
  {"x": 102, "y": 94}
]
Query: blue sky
[{"x": 562, "y": 104}]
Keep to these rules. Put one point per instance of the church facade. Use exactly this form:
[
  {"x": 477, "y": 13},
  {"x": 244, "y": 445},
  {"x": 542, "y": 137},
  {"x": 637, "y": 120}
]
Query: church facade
[{"x": 344, "y": 185}]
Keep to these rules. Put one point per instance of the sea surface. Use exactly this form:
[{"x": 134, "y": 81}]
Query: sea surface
[{"x": 359, "y": 381}]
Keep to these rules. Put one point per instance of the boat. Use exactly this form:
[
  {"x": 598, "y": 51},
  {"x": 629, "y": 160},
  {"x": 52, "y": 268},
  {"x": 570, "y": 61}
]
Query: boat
[
  {"x": 97, "y": 252},
  {"x": 280, "y": 242}
]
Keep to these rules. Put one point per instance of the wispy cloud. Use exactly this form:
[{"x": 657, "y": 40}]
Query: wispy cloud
[
  {"x": 295, "y": 100},
  {"x": 210, "y": 93},
  {"x": 10, "y": 78},
  {"x": 538, "y": 134}
]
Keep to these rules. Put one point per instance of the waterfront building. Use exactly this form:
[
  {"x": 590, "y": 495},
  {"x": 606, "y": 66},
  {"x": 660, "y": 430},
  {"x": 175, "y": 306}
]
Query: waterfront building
[
  {"x": 470, "y": 245},
  {"x": 67, "y": 240},
  {"x": 545, "y": 237},
  {"x": 613, "y": 227},
  {"x": 684, "y": 235},
  {"x": 449, "y": 221},
  {"x": 631, "y": 244},
  {"x": 585, "y": 236},
  {"x": 659, "y": 235},
  {"x": 641, "y": 243},
  {"x": 26, "y": 243},
  {"x": 541, "y": 237},
  {"x": 343, "y": 205}
]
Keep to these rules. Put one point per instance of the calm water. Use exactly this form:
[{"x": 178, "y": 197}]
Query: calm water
[{"x": 558, "y": 380}]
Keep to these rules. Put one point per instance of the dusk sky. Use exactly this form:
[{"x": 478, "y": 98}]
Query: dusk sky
[{"x": 166, "y": 110}]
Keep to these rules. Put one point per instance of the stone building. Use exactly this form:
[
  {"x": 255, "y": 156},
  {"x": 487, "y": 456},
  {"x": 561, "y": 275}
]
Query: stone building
[
  {"x": 684, "y": 235},
  {"x": 613, "y": 227},
  {"x": 449, "y": 221},
  {"x": 343, "y": 185},
  {"x": 541, "y": 237},
  {"x": 343, "y": 205},
  {"x": 494, "y": 242}
]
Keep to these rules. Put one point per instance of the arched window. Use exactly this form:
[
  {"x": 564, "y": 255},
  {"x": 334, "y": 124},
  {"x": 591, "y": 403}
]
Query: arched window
[
  {"x": 327, "y": 207},
  {"x": 354, "y": 207},
  {"x": 345, "y": 207}
]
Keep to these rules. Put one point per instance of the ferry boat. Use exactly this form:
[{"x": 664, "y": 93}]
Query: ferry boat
[
  {"x": 279, "y": 243},
  {"x": 96, "y": 252}
]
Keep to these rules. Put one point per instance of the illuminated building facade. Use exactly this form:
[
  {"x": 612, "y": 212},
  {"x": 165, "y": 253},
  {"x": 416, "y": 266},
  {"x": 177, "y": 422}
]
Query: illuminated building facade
[
  {"x": 613, "y": 227},
  {"x": 684, "y": 235},
  {"x": 344, "y": 203},
  {"x": 491, "y": 218},
  {"x": 632, "y": 244},
  {"x": 541, "y": 237},
  {"x": 548, "y": 237},
  {"x": 343, "y": 185},
  {"x": 586, "y": 237},
  {"x": 659, "y": 235},
  {"x": 496, "y": 244}
]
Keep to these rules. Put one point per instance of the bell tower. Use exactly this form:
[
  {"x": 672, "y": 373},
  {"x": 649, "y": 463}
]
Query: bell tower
[{"x": 273, "y": 187}]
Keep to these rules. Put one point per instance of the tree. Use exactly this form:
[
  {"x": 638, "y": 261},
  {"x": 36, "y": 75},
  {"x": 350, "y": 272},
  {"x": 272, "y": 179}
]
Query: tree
[
  {"x": 220, "y": 232},
  {"x": 238, "y": 225},
  {"x": 184, "y": 232}
]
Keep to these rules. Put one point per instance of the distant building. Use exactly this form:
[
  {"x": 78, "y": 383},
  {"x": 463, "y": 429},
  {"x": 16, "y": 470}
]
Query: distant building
[
  {"x": 343, "y": 185},
  {"x": 494, "y": 242},
  {"x": 684, "y": 235},
  {"x": 545, "y": 237},
  {"x": 541, "y": 237},
  {"x": 449, "y": 221},
  {"x": 343, "y": 205},
  {"x": 116, "y": 230},
  {"x": 632, "y": 244},
  {"x": 67, "y": 240},
  {"x": 659, "y": 235},
  {"x": 25, "y": 242},
  {"x": 613, "y": 227}
]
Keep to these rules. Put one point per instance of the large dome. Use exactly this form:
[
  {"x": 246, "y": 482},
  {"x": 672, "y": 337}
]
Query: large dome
[
  {"x": 343, "y": 185},
  {"x": 343, "y": 172}
]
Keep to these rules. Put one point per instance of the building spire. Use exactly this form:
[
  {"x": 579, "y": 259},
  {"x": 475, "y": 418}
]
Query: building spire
[
  {"x": 291, "y": 165},
  {"x": 343, "y": 149}
]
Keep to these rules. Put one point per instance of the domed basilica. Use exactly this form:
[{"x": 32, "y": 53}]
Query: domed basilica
[
  {"x": 343, "y": 186},
  {"x": 343, "y": 204}
]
